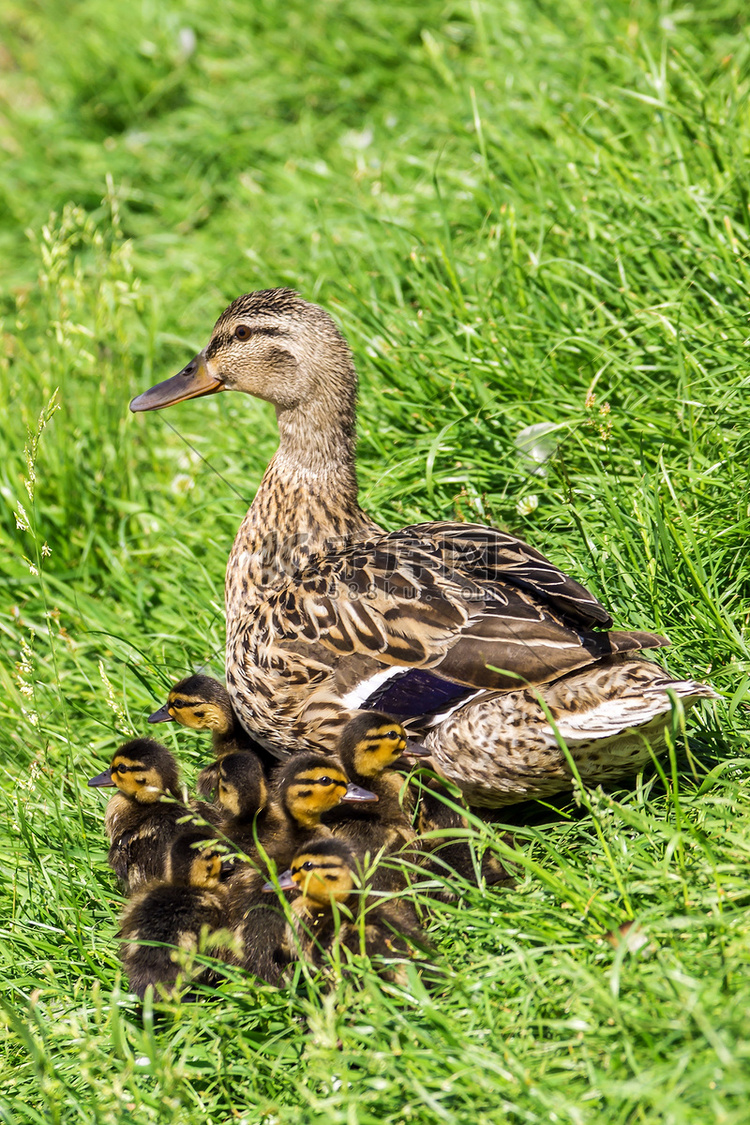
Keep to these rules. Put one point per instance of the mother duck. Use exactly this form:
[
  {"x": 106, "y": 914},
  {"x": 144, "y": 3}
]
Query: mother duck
[{"x": 466, "y": 634}]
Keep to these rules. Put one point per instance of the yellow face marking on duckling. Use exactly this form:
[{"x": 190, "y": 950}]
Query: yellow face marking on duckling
[
  {"x": 230, "y": 798},
  {"x": 379, "y": 748},
  {"x": 314, "y": 792},
  {"x": 135, "y": 780},
  {"x": 205, "y": 869},
  {"x": 322, "y": 878},
  {"x": 197, "y": 713}
]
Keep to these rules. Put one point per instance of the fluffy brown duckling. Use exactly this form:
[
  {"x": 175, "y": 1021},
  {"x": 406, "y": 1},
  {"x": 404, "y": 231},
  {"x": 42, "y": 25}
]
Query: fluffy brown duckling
[
  {"x": 446, "y": 857},
  {"x": 181, "y": 911},
  {"x": 305, "y": 788},
  {"x": 202, "y": 703},
  {"x": 142, "y": 818},
  {"x": 326, "y": 914},
  {"x": 242, "y": 793},
  {"x": 370, "y": 745}
]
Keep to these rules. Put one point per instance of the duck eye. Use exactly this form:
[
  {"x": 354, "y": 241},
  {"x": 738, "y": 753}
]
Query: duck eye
[
  {"x": 393, "y": 734},
  {"x": 324, "y": 781},
  {"x": 242, "y": 332},
  {"x": 308, "y": 866}
]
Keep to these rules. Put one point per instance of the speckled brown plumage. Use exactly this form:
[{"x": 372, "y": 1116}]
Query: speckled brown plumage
[
  {"x": 327, "y": 614},
  {"x": 504, "y": 748}
]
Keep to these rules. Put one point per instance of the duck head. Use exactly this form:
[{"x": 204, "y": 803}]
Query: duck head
[
  {"x": 372, "y": 742},
  {"x": 309, "y": 785},
  {"x": 195, "y": 860},
  {"x": 273, "y": 345},
  {"x": 143, "y": 770},
  {"x": 241, "y": 788},
  {"x": 199, "y": 702},
  {"x": 324, "y": 871}
]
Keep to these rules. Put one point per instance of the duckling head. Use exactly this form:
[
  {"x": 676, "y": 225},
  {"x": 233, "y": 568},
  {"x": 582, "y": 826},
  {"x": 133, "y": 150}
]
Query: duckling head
[
  {"x": 194, "y": 861},
  {"x": 370, "y": 743},
  {"x": 143, "y": 770},
  {"x": 311, "y": 784},
  {"x": 199, "y": 702},
  {"x": 323, "y": 871},
  {"x": 242, "y": 788}
]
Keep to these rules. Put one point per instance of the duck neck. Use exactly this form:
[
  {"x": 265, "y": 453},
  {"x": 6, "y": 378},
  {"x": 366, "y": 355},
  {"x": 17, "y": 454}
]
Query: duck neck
[{"x": 307, "y": 501}]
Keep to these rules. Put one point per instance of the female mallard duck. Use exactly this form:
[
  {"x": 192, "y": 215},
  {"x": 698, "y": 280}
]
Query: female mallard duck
[
  {"x": 180, "y": 912},
  {"x": 146, "y": 813},
  {"x": 456, "y": 629},
  {"x": 325, "y": 918},
  {"x": 202, "y": 703}
]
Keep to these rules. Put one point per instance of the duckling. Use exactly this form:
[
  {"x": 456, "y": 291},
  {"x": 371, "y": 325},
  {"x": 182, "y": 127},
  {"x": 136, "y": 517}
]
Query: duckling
[
  {"x": 202, "y": 703},
  {"x": 305, "y": 788},
  {"x": 326, "y": 916},
  {"x": 242, "y": 794},
  {"x": 142, "y": 818},
  {"x": 370, "y": 744},
  {"x": 448, "y": 857},
  {"x": 178, "y": 912}
]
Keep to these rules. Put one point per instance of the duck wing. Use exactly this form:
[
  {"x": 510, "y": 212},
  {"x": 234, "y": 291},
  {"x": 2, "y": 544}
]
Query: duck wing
[
  {"x": 490, "y": 556},
  {"x": 418, "y": 620}
]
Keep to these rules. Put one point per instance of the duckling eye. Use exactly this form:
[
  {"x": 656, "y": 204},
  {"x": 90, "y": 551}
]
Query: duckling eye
[
  {"x": 242, "y": 332},
  {"x": 308, "y": 866},
  {"x": 325, "y": 781},
  {"x": 393, "y": 734}
]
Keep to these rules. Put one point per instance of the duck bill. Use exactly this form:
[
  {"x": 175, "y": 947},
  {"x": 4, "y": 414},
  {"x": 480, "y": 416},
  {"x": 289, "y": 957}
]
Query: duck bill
[
  {"x": 286, "y": 882},
  {"x": 161, "y": 716},
  {"x": 193, "y": 381},
  {"x": 357, "y": 795},
  {"x": 415, "y": 749},
  {"x": 101, "y": 781}
]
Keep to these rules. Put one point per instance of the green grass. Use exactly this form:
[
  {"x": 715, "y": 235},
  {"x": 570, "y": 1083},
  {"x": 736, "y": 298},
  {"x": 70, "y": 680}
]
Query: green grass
[{"x": 519, "y": 213}]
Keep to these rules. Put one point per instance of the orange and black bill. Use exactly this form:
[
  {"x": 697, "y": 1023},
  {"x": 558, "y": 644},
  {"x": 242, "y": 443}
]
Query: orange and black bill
[{"x": 192, "y": 382}]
